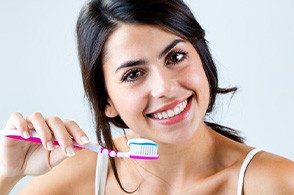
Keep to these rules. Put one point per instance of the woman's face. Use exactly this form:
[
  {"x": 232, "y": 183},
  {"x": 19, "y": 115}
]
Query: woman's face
[{"x": 156, "y": 83}]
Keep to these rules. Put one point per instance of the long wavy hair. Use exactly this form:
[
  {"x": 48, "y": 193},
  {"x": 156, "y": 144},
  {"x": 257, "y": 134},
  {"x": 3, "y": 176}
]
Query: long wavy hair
[{"x": 99, "y": 18}]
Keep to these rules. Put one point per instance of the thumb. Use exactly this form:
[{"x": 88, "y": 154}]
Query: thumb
[{"x": 57, "y": 155}]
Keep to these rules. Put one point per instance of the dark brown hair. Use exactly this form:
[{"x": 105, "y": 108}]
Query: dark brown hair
[{"x": 99, "y": 18}]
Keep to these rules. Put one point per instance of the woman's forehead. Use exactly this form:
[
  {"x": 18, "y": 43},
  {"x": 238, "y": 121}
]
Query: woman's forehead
[{"x": 130, "y": 40}]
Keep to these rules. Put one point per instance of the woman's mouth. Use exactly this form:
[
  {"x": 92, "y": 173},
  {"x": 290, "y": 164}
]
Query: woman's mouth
[
  {"x": 178, "y": 109},
  {"x": 173, "y": 114}
]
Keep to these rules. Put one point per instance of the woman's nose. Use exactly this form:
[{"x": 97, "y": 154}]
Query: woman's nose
[{"x": 164, "y": 84}]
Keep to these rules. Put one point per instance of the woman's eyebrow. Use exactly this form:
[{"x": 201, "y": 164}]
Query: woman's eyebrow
[
  {"x": 140, "y": 62},
  {"x": 169, "y": 47},
  {"x": 130, "y": 64}
]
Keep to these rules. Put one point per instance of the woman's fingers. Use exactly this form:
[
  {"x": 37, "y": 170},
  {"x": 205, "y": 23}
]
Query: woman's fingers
[
  {"x": 18, "y": 122},
  {"x": 56, "y": 156},
  {"x": 61, "y": 135},
  {"x": 76, "y": 132},
  {"x": 49, "y": 130},
  {"x": 38, "y": 122},
  {"x": 26, "y": 158}
]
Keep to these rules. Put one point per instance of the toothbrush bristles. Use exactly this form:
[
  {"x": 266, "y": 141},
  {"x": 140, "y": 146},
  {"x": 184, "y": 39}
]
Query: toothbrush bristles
[{"x": 145, "y": 150}]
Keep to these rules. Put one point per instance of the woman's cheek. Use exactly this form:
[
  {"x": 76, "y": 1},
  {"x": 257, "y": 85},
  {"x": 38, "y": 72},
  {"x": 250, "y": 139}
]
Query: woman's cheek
[
  {"x": 198, "y": 81},
  {"x": 130, "y": 106}
]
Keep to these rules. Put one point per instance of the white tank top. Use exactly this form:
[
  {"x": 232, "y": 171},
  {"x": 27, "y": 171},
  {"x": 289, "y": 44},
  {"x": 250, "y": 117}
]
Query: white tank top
[{"x": 102, "y": 167}]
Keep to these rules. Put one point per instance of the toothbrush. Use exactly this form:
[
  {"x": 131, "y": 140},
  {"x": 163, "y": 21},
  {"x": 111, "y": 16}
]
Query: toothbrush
[{"x": 140, "y": 148}]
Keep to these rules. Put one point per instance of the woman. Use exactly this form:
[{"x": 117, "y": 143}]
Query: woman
[{"x": 145, "y": 66}]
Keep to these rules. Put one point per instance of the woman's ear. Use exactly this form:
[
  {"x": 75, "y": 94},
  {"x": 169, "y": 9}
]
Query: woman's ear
[{"x": 110, "y": 110}]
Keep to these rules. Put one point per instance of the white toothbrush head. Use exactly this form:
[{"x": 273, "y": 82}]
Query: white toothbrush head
[
  {"x": 144, "y": 149},
  {"x": 140, "y": 148}
]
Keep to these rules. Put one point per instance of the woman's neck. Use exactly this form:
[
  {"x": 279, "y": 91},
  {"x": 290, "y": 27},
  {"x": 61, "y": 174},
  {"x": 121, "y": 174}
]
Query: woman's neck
[{"x": 194, "y": 158}]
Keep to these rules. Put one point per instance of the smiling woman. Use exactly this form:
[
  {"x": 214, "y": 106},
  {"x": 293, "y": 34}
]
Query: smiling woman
[
  {"x": 158, "y": 85},
  {"x": 146, "y": 66}
]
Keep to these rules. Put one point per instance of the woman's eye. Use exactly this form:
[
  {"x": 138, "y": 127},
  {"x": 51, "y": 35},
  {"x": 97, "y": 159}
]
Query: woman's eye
[
  {"x": 176, "y": 57},
  {"x": 132, "y": 75}
]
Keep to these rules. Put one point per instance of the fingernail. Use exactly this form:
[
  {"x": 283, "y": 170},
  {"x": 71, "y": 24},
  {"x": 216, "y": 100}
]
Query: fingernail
[
  {"x": 25, "y": 134},
  {"x": 85, "y": 140},
  {"x": 50, "y": 146},
  {"x": 70, "y": 151}
]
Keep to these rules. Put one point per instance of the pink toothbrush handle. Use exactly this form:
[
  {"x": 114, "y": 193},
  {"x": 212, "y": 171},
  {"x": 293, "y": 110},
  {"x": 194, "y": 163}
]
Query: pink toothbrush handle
[{"x": 37, "y": 140}]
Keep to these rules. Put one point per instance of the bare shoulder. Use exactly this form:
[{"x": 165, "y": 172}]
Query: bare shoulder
[
  {"x": 269, "y": 174},
  {"x": 75, "y": 175}
]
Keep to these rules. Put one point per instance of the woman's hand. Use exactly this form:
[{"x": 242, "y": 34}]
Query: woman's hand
[{"x": 20, "y": 158}]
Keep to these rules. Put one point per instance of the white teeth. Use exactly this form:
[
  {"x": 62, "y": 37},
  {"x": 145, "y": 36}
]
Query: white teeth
[
  {"x": 177, "y": 110},
  {"x": 172, "y": 112},
  {"x": 164, "y": 115},
  {"x": 181, "y": 107},
  {"x": 159, "y": 116}
]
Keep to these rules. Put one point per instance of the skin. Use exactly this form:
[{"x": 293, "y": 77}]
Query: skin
[
  {"x": 162, "y": 82},
  {"x": 194, "y": 159}
]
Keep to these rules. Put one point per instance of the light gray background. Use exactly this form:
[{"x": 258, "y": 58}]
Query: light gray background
[{"x": 252, "y": 43}]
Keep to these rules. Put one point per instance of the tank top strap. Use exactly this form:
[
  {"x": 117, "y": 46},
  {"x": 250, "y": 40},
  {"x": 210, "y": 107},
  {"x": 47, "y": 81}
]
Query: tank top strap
[
  {"x": 244, "y": 166},
  {"x": 101, "y": 174}
]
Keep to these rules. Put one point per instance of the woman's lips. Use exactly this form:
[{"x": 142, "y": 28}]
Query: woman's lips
[
  {"x": 179, "y": 108},
  {"x": 173, "y": 115}
]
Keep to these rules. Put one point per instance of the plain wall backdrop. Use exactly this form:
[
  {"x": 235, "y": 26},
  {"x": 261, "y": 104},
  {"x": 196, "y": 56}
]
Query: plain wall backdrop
[{"x": 252, "y": 43}]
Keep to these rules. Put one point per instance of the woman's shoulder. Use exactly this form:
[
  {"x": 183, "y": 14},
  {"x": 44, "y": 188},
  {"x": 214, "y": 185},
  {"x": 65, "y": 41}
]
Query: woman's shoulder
[
  {"x": 75, "y": 175},
  {"x": 268, "y": 173}
]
